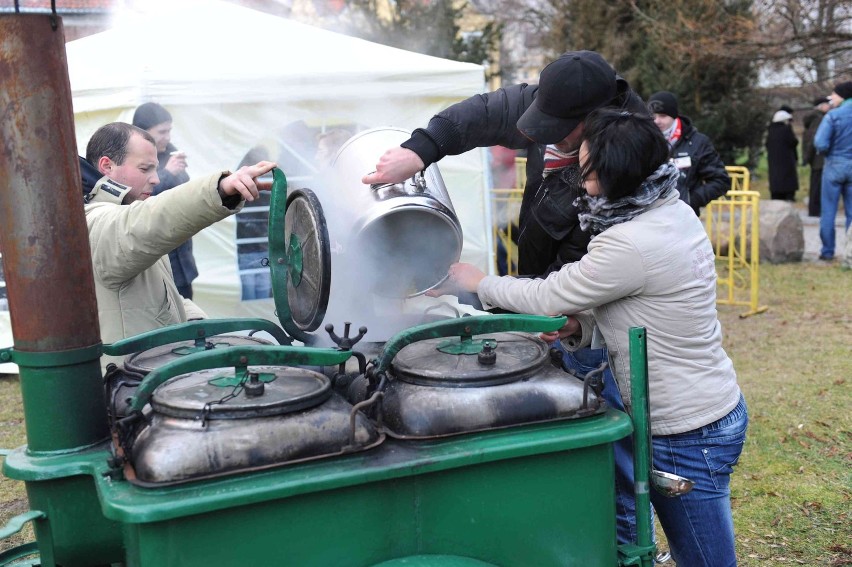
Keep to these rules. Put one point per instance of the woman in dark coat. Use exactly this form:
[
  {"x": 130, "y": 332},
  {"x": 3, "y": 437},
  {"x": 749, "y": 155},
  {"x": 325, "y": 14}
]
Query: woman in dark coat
[{"x": 781, "y": 154}]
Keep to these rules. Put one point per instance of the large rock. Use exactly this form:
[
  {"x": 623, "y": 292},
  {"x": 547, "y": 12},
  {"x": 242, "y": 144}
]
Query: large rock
[
  {"x": 782, "y": 237},
  {"x": 846, "y": 260}
]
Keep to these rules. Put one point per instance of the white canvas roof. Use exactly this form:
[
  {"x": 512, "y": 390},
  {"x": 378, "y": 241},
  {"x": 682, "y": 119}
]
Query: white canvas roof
[{"x": 233, "y": 77}]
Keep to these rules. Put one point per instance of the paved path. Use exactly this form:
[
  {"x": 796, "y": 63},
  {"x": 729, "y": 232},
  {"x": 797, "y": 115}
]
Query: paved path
[{"x": 812, "y": 241}]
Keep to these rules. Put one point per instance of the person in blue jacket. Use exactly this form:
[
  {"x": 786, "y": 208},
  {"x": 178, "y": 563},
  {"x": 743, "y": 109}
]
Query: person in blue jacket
[{"x": 833, "y": 139}]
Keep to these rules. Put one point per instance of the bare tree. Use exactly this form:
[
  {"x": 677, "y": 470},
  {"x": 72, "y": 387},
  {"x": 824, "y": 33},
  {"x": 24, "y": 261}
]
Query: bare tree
[{"x": 811, "y": 39}]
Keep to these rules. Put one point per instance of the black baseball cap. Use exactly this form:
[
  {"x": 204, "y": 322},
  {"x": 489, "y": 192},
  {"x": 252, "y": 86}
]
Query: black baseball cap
[{"x": 568, "y": 90}]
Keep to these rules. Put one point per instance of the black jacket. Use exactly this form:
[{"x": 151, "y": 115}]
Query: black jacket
[
  {"x": 809, "y": 154},
  {"x": 702, "y": 172},
  {"x": 181, "y": 258},
  {"x": 549, "y": 232},
  {"x": 782, "y": 160}
]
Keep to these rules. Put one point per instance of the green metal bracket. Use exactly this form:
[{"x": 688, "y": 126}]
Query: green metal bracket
[
  {"x": 629, "y": 554},
  {"x": 16, "y": 524},
  {"x": 465, "y": 328},
  {"x": 198, "y": 331},
  {"x": 641, "y": 444},
  {"x": 466, "y": 345},
  {"x": 232, "y": 380},
  {"x": 53, "y": 359},
  {"x": 11, "y": 557},
  {"x": 240, "y": 357}
]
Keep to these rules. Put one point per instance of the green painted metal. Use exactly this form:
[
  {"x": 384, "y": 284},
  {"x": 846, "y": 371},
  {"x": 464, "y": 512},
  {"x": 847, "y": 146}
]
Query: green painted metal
[
  {"x": 14, "y": 557},
  {"x": 280, "y": 257},
  {"x": 643, "y": 552},
  {"x": 51, "y": 359},
  {"x": 235, "y": 379},
  {"x": 465, "y": 328},
  {"x": 197, "y": 331},
  {"x": 435, "y": 561},
  {"x": 508, "y": 497},
  {"x": 75, "y": 532},
  {"x": 465, "y": 346},
  {"x": 240, "y": 357},
  {"x": 16, "y": 524},
  {"x": 63, "y": 405}
]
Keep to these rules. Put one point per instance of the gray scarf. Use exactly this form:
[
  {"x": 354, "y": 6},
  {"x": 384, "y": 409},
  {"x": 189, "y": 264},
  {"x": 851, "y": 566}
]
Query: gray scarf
[{"x": 599, "y": 213}]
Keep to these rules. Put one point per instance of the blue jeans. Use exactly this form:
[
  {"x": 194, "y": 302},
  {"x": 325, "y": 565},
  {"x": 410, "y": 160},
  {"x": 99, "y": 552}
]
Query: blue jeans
[
  {"x": 698, "y": 525},
  {"x": 582, "y": 362},
  {"x": 836, "y": 183}
]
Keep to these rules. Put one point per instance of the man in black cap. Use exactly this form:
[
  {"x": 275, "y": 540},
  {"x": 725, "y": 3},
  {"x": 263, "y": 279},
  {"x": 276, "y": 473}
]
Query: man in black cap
[
  {"x": 546, "y": 121},
  {"x": 809, "y": 154},
  {"x": 702, "y": 172}
]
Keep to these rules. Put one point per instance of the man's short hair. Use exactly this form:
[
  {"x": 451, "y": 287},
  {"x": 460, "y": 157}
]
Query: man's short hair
[
  {"x": 624, "y": 149},
  {"x": 111, "y": 141}
]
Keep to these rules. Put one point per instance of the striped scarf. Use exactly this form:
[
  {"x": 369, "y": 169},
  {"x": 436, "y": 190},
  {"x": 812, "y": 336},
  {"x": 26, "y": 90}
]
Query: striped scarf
[
  {"x": 554, "y": 160},
  {"x": 599, "y": 213}
]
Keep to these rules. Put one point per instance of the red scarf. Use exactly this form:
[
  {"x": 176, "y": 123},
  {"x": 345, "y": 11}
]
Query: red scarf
[
  {"x": 554, "y": 160},
  {"x": 675, "y": 133}
]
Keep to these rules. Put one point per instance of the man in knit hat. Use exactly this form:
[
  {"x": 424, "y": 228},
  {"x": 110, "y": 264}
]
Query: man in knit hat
[
  {"x": 810, "y": 156},
  {"x": 833, "y": 139},
  {"x": 702, "y": 172},
  {"x": 171, "y": 170}
]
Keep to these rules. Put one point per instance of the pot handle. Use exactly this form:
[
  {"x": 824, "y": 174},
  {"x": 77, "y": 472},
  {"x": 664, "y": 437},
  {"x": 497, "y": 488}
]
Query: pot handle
[
  {"x": 198, "y": 331},
  {"x": 240, "y": 357},
  {"x": 466, "y": 327}
]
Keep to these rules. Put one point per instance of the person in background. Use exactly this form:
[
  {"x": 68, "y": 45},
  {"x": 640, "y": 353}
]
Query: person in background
[
  {"x": 171, "y": 170},
  {"x": 833, "y": 139},
  {"x": 702, "y": 172},
  {"x": 637, "y": 274},
  {"x": 810, "y": 157},
  {"x": 130, "y": 235},
  {"x": 781, "y": 156}
]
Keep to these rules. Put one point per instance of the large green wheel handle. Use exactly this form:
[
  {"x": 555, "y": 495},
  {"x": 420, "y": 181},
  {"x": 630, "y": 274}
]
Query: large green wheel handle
[
  {"x": 466, "y": 327},
  {"x": 196, "y": 331},
  {"x": 240, "y": 357}
]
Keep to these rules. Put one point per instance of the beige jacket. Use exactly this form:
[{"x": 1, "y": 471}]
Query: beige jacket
[
  {"x": 656, "y": 271},
  {"x": 130, "y": 244}
]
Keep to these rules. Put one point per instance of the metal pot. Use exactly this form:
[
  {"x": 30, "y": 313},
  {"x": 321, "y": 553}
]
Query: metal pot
[
  {"x": 121, "y": 383},
  {"x": 410, "y": 226},
  {"x": 445, "y": 387},
  {"x": 281, "y": 415}
]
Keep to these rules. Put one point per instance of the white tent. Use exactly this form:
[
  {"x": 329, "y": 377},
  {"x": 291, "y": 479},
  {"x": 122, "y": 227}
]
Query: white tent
[{"x": 233, "y": 77}]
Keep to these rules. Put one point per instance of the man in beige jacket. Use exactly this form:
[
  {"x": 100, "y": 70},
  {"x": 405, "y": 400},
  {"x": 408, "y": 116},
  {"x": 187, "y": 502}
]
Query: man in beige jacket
[{"x": 131, "y": 235}]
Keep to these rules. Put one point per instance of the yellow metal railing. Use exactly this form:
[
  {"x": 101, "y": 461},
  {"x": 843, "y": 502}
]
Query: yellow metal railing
[
  {"x": 506, "y": 207},
  {"x": 733, "y": 225}
]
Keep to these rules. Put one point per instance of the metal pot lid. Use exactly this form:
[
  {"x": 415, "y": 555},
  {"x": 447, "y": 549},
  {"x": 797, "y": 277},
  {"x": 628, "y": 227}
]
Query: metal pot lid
[
  {"x": 147, "y": 360},
  {"x": 300, "y": 258},
  {"x": 486, "y": 360},
  {"x": 306, "y": 237},
  {"x": 218, "y": 393}
]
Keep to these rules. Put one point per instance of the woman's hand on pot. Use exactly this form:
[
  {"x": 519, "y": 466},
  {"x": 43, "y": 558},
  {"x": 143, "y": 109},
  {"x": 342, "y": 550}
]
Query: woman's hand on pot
[
  {"x": 461, "y": 278},
  {"x": 570, "y": 328},
  {"x": 397, "y": 164}
]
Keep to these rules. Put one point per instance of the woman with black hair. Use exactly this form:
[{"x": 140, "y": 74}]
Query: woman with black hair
[{"x": 649, "y": 264}]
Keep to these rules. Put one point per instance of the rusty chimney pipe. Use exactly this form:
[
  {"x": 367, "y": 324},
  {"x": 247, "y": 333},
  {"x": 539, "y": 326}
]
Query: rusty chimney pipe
[{"x": 44, "y": 240}]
